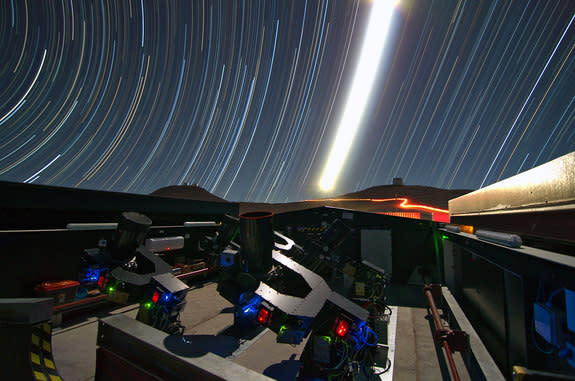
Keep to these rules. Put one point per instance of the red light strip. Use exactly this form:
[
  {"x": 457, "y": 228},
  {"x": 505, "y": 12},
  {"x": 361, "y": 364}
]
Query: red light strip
[{"x": 404, "y": 203}]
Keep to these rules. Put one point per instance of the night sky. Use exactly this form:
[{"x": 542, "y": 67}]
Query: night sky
[{"x": 244, "y": 97}]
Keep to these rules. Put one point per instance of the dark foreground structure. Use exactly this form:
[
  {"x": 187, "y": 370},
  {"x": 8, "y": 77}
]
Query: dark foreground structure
[{"x": 180, "y": 289}]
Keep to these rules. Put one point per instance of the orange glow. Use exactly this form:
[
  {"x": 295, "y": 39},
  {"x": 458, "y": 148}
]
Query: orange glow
[
  {"x": 467, "y": 229},
  {"x": 404, "y": 203},
  {"x": 414, "y": 215}
]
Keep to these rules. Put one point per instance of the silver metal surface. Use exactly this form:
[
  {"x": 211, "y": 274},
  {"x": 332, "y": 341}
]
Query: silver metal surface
[
  {"x": 199, "y": 224},
  {"x": 164, "y": 243},
  {"x": 289, "y": 243},
  {"x": 314, "y": 301},
  {"x": 308, "y": 306},
  {"x": 550, "y": 186},
  {"x": 312, "y": 279},
  {"x": 92, "y": 226}
]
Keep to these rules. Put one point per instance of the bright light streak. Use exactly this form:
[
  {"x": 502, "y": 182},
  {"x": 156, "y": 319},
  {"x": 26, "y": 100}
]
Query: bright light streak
[
  {"x": 405, "y": 203},
  {"x": 23, "y": 99},
  {"x": 365, "y": 73},
  {"x": 35, "y": 175}
]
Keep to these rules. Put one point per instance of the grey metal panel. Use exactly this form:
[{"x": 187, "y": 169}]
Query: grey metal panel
[
  {"x": 376, "y": 248},
  {"x": 516, "y": 327},
  {"x": 477, "y": 357},
  {"x": 348, "y": 306},
  {"x": 25, "y": 310},
  {"x": 142, "y": 344},
  {"x": 170, "y": 282},
  {"x": 449, "y": 264},
  {"x": 550, "y": 186},
  {"x": 164, "y": 243}
]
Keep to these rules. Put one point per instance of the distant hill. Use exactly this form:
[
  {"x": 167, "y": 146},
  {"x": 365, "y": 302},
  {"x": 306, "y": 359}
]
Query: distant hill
[
  {"x": 188, "y": 192},
  {"x": 431, "y": 196},
  {"x": 437, "y": 197}
]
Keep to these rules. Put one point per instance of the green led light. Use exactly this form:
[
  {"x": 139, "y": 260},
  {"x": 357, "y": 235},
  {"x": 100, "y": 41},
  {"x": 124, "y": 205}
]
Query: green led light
[
  {"x": 148, "y": 305},
  {"x": 444, "y": 236},
  {"x": 111, "y": 289},
  {"x": 326, "y": 338},
  {"x": 283, "y": 328}
]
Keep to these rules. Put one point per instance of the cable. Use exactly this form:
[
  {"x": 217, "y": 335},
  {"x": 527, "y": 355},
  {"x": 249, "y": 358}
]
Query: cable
[
  {"x": 369, "y": 330},
  {"x": 389, "y": 309},
  {"x": 387, "y": 367},
  {"x": 343, "y": 357}
]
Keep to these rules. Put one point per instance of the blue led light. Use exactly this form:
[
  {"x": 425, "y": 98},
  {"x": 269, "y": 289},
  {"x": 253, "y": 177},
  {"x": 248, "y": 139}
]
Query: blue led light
[
  {"x": 92, "y": 275},
  {"x": 249, "y": 308}
]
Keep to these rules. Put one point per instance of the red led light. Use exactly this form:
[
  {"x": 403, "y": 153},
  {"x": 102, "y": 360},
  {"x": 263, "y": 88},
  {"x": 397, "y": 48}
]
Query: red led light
[
  {"x": 263, "y": 316},
  {"x": 342, "y": 328},
  {"x": 101, "y": 281},
  {"x": 155, "y": 297}
]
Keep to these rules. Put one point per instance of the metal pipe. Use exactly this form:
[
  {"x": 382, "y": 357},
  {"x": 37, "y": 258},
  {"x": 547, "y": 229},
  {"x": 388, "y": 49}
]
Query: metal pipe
[
  {"x": 257, "y": 236},
  {"x": 438, "y": 329}
]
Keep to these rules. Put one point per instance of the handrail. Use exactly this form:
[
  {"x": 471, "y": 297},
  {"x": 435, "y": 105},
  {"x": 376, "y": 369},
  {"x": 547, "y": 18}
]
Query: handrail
[{"x": 441, "y": 334}]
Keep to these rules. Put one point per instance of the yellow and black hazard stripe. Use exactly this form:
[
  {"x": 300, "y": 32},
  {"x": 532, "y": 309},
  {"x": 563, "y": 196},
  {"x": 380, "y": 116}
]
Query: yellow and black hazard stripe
[{"x": 41, "y": 359}]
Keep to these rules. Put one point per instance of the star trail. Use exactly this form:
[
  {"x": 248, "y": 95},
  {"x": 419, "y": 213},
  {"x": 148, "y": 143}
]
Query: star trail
[{"x": 244, "y": 97}]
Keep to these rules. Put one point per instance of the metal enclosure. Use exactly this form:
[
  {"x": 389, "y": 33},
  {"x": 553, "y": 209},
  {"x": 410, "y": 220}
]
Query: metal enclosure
[
  {"x": 496, "y": 286},
  {"x": 539, "y": 203},
  {"x": 376, "y": 248},
  {"x": 129, "y": 349}
]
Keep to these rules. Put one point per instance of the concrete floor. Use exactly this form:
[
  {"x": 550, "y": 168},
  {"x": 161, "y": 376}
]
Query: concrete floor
[
  {"x": 417, "y": 357},
  {"x": 207, "y": 314}
]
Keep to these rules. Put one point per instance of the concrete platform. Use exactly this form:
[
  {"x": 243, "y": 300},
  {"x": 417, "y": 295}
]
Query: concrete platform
[
  {"x": 208, "y": 318},
  {"x": 416, "y": 356}
]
